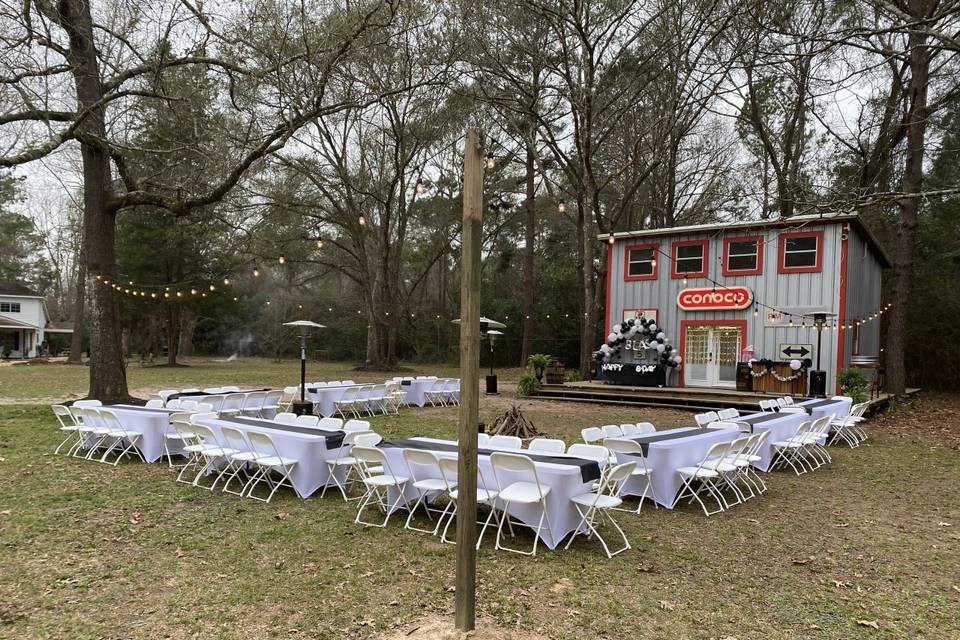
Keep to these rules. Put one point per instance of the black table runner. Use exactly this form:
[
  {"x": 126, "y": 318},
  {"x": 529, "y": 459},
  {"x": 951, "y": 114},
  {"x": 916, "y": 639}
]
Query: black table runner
[
  {"x": 816, "y": 405},
  {"x": 589, "y": 469},
  {"x": 333, "y": 438},
  {"x": 761, "y": 418},
  {"x": 200, "y": 394},
  {"x": 645, "y": 440}
]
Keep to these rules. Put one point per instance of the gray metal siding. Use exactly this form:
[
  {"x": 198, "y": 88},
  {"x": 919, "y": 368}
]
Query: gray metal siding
[
  {"x": 771, "y": 288},
  {"x": 863, "y": 296}
]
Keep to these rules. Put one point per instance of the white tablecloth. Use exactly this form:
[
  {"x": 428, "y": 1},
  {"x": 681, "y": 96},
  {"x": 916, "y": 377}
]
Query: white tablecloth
[
  {"x": 839, "y": 408},
  {"x": 565, "y": 482},
  {"x": 782, "y": 427},
  {"x": 413, "y": 393},
  {"x": 325, "y": 398},
  {"x": 152, "y": 423},
  {"x": 310, "y": 451},
  {"x": 269, "y": 414},
  {"x": 667, "y": 456}
]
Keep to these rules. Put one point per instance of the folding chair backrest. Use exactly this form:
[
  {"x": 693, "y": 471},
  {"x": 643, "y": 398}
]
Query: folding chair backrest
[
  {"x": 646, "y": 427},
  {"x": 215, "y": 402},
  {"x": 728, "y": 414},
  {"x": 308, "y": 421},
  {"x": 847, "y": 398},
  {"x": 188, "y": 404},
  {"x": 450, "y": 471},
  {"x": 356, "y": 425},
  {"x": 272, "y": 398},
  {"x": 372, "y": 456},
  {"x": 166, "y": 393},
  {"x": 230, "y": 389},
  {"x": 173, "y": 404},
  {"x": 88, "y": 403},
  {"x": 63, "y": 415},
  {"x": 348, "y": 382},
  {"x": 781, "y": 402},
  {"x": 330, "y": 423},
  {"x": 154, "y": 404},
  {"x": 622, "y": 446},
  {"x": 483, "y": 439},
  {"x": 421, "y": 464},
  {"x": 630, "y": 429},
  {"x": 206, "y": 434},
  {"x": 547, "y": 445},
  {"x": 592, "y": 434},
  {"x": 233, "y": 402},
  {"x": 183, "y": 427},
  {"x": 254, "y": 400},
  {"x": 109, "y": 419},
  {"x": 589, "y": 451},
  {"x": 611, "y": 431},
  {"x": 367, "y": 438},
  {"x": 197, "y": 417},
  {"x": 718, "y": 450},
  {"x": 615, "y": 478},
  {"x": 205, "y": 407},
  {"x": 285, "y": 417},
  {"x": 505, "y": 442},
  {"x": 191, "y": 390},
  {"x": 235, "y": 439},
  {"x": 262, "y": 443},
  {"x": 723, "y": 425},
  {"x": 788, "y": 400},
  {"x": 513, "y": 463}
]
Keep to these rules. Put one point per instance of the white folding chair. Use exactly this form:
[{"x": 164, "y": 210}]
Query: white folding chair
[
  {"x": 333, "y": 424},
  {"x": 178, "y": 438},
  {"x": 486, "y": 495},
  {"x": 630, "y": 429},
  {"x": 120, "y": 436},
  {"x": 640, "y": 468},
  {"x": 173, "y": 404},
  {"x": 703, "y": 419},
  {"x": 253, "y": 403},
  {"x": 483, "y": 439},
  {"x": 285, "y": 418},
  {"x": 767, "y": 406},
  {"x": 592, "y": 435},
  {"x": 547, "y": 445},
  {"x": 88, "y": 423},
  {"x": 232, "y": 404},
  {"x": 288, "y": 395},
  {"x": 68, "y": 426},
  {"x": 505, "y": 442},
  {"x": 426, "y": 478},
  {"x": 781, "y": 403},
  {"x": 211, "y": 454},
  {"x": 378, "y": 485},
  {"x": 706, "y": 478},
  {"x": 212, "y": 390},
  {"x": 269, "y": 462},
  {"x": 238, "y": 462},
  {"x": 646, "y": 427},
  {"x": 356, "y": 425},
  {"x": 848, "y": 428},
  {"x": 188, "y": 405},
  {"x": 271, "y": 403},
  {"x": 347, "y": 402},
  {"x": 344, "y": 460},
  {"x": 594, "y": 508},
  {"x": 792, "y": 451},
  {"x": 788, "y": 400},
  {"x": 308, "y": 421},
  {"x": 154, "y": 404},
  {"x": 524, "y": 492},
  {"x": 229, "y": 389},
  {"x": 166, "y": 393},
  {"x": 724, "y": 425},
  {"x": 611, "y": 431},
  {"x": 728, "y": 414}
]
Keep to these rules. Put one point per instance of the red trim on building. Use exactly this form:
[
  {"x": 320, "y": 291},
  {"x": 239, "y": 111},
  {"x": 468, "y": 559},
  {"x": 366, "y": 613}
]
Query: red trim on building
[
  {"x": 692, "y": 274},
  {"x": 606, "y": 325},
  {"x": 842, "y": 311},
  {"x": 626, "y": 261},
  {"x": 800, "y": 234},
  {"x": 742, "y": 272},
  {"x": 683, "y": 339}
]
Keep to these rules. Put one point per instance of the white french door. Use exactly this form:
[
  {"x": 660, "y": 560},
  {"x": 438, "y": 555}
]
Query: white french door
[{"x": 710, "y": 355}]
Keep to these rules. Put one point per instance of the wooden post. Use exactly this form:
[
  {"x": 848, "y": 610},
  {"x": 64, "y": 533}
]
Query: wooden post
[{"x": 469, "y": 380}]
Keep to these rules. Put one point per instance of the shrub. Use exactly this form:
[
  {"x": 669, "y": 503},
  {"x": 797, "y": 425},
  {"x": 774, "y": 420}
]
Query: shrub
[
  {"x": 573, "y": 375},
  {"x": 854, "y": 384},
  {"x": 528, "y": 384}
]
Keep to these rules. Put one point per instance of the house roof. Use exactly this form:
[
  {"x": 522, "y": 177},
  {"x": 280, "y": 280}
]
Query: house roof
[
  {"x": 59, "y": 326},
  {"x": 793, "y": 221},
  {"x": 6, "y": 322},
  {"x": 15, "y": 288}
]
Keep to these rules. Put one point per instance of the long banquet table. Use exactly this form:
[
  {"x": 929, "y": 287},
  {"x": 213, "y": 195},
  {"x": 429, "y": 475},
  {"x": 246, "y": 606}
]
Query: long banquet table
[
  {"x": 152, "y": 423},
  {"x": 817, "y": 408},
  {"x": 665, "y": 452},
  {"x": 565, "y": 476},
  {"x": 325, "y": 398},
  {"x": 414, "y": 390},
  {"x": 780, "y": 425},
  {"x": 310, "y": 446}
]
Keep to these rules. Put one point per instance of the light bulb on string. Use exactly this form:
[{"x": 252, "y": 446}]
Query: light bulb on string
[
  {"x": 235, "y": 298},
  {"x": 653, "y": 263},
  {"x": 610, "y": 239},
  {"x": 281, "y": 259},
  {"x": 179, "y": 294},
  {"x": 193, "y": 292},
  {"x": 212, "y": 288},
  {"x": 421, "y": 187},
  {"x": 491, "y": 161},
  {"x": 130, "y": 283},
  {"x": 756, "y": 311},
  {"x": 684, "y": 279},
  {"x": 256, "y": 272},
  {"x": 361, "y": 220},
  {"x": 319, "y": 244},
  {"x": 166, "y": 294},
  {"x": 203, "y": 295},
  {"x": 226, "y": 282},
  {"x": 562, "y": 206},
  {"x": 268, "y": 303},
  {"x": 99, "y": 277}
]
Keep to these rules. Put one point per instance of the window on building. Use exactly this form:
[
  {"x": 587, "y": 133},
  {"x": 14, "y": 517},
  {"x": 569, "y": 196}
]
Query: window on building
[
  {"x": 9, "y": 307},
  {"x": 743, "y": 256},
  {"x": 641, "y": 262},
  {"x": 690, "y": 259},
  {"x": 800, "y": 252}
]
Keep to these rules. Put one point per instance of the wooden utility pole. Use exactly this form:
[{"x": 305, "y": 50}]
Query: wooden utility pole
[{"x": 469, "y": 380}]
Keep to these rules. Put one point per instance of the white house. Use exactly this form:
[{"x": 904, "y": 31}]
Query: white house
[{"x": 24, "y": 322}]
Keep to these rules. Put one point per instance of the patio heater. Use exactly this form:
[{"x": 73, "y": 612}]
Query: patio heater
[
  {"x": 818, "y": 377},
  {"x": 302, "y": 407},
  {"x": 492, "y": 336},
  {"x": 488, "y": 327}
]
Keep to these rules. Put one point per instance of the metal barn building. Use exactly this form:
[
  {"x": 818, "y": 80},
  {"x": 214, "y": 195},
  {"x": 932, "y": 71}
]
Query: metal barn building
[{"x": 719, "y": 291}]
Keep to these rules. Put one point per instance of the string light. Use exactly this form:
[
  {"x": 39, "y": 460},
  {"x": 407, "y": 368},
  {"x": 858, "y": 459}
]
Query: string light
[
  {"x": 193, "y": 292},
  {"x": 319, "y": 244},
  {"x": 226, "y": 282},
  {"x": 684, "y": 279},
  {"x": 281, "y": 259},
  {"x": 256, "y": 272},
  {"x": 491, "y": 161},
  {"x": 421, "y": 187},
  {"x": 610, "y": 239},
  {"x": 212, "y": 288},
  {"x": 562, "y": 206},
  {"x": 361, "y": 220}
]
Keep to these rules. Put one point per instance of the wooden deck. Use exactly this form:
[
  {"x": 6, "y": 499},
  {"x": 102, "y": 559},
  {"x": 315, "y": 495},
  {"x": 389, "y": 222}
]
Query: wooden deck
[{"x": 689, "y": 398}]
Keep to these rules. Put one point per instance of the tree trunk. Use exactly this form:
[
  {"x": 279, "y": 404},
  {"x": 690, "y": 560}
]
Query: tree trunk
[
  {"x": 586, "y": 317},
  {"x": 79, "y": 308},
  {"x": 108, "y": 380},
  {"x": 188, "y": 322},
  {"x": 529, "y": 300},
  {"x": 173, "y": 333},
  {"x": 909, "y": 207}
]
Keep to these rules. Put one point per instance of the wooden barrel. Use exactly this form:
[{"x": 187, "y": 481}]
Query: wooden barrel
[{"x": 556, "y": 372}]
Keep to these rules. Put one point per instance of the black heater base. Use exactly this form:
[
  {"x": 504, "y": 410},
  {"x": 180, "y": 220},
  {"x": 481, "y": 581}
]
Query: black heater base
[
  {"x": 818, "y": 384},
  {"x": 492, "y": 385},
  {"x": 302, "y": 408}
]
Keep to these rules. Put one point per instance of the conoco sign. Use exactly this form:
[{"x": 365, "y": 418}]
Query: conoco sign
[{"x": 715, "y": 299}]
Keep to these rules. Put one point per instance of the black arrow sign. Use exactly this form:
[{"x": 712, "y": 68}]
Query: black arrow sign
[{"x": 790, "y": 351}]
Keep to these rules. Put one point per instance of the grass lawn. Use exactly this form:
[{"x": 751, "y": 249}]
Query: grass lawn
[{"x": 868, "y": 547}]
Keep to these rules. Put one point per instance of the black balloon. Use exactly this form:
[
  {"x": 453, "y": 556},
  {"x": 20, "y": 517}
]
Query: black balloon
[
  {"x": 807, "y": 363},
  {"x": 631, "y": 322}
]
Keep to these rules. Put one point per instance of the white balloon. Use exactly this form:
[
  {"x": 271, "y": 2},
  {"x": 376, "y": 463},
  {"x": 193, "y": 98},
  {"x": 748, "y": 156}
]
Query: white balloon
[
  {"x": 660, "y": 348},
  {"x": 661, "y": 336},
  {"x": 679, "y": 359},
  {"x": 652, "y": 327},
  {"x": 611, "y": 337},
  {"x": 615, "y": 328},
  {"x": 606, "y": 357},
  {"x": 795, "y": 365},
  {"x": 605, "y": 348}
]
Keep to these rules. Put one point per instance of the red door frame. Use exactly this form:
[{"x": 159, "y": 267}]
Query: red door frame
[{"x": 683, "y": 338}]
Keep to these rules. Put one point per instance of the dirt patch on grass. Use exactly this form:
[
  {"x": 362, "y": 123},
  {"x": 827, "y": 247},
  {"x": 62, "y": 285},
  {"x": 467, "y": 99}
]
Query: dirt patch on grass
[
  {"x": 436, "y": 628},
  {"x": 928, "y": 418}
]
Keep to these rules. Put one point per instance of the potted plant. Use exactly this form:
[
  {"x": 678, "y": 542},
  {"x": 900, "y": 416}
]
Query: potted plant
[{"x": 538, "y": 362}]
